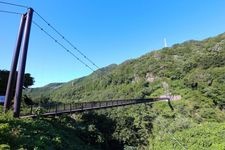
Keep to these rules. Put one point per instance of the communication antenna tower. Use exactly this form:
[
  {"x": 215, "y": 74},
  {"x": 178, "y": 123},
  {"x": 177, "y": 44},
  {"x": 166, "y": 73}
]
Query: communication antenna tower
[{"x": 165, "y": 43}]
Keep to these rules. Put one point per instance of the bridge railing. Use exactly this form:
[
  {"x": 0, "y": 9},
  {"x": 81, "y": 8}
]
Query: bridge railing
[{"x": 60, "y": 108}]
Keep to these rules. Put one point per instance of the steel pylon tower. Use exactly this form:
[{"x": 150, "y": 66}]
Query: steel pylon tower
[{"x": 22, "y": 39}]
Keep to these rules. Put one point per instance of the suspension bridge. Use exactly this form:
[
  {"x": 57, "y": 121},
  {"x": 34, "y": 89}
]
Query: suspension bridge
[
  {"x": 50, "y": 109},
  {"x": 59, "y": 109}
]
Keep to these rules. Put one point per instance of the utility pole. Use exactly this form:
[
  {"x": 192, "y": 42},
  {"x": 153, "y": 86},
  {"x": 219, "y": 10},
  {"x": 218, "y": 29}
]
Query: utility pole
[{"x": 23, "y": 38}]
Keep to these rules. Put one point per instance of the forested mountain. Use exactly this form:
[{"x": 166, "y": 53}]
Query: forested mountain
[
  {"x": 192, "y": 65},
  {"x": 194, "y": 70}
]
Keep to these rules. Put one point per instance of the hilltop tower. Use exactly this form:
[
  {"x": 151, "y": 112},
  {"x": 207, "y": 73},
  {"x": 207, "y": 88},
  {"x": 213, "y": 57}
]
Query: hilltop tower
[{"x": 165, "y": 43}]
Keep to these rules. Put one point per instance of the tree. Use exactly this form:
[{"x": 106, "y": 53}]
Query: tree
[
  {"x": 3, "y": 81},
  {"x": 28, "y": 80},
  {"x": 4, "y": 75}
]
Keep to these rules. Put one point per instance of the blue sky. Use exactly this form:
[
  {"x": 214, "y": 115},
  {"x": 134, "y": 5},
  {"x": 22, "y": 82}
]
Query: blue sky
[{"x": 107, "y": 31}]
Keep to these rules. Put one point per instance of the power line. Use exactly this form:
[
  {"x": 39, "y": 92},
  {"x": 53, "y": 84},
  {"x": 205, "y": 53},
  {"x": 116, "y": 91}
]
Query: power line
[
  {"x": 61, "y": 45},
  {"x": 174, "y": 138},
  {"x": 10, "y": 12},
  {"x": 177, "y": 141},
  {"x": 12, "y": 4},
  {"x": 65, "y": 39}
]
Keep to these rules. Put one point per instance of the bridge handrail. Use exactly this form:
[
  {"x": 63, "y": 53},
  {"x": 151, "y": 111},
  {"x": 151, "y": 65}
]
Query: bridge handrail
[{"x": 59, "y": 108}]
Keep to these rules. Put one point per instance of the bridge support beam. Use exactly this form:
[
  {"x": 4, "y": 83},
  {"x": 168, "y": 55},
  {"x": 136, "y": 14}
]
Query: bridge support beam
[
  {"x": 20, "y": 77},
  {"x": 11, "y": 80}
]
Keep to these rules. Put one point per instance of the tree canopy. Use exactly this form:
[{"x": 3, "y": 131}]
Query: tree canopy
[{"x": 4, "y": 75}]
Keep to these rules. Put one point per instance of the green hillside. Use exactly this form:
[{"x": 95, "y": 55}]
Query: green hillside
[
  {"x": 39, "y": 94},
  {"x": 194, "y": 70},
  {"x": 180, "y": 66}
]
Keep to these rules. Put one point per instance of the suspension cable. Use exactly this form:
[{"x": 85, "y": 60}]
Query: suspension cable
[
  {"x": 54, "y": 29},
  {"x": 65, "y": 39},
  {"x": 62, "y": 46},
  {"x": 10, "y": 12},
  {"x": 13, "y": 4}
]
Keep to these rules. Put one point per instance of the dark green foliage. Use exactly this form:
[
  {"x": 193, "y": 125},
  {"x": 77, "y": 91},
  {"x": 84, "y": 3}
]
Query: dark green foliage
[
  {"x": 3, "y": 81},
  {"x": 204, "y": 136},
  {"x": 58, "y": 133},
  {"x": 4, "y": 75},
  {"x": 195, "y": 70}
]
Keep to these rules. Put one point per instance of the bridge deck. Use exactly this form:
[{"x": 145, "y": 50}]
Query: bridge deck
[{"x": 58, "y": 109}]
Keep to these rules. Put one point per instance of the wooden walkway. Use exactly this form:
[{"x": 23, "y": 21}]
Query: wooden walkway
[{"x": 58, "y": 109}]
